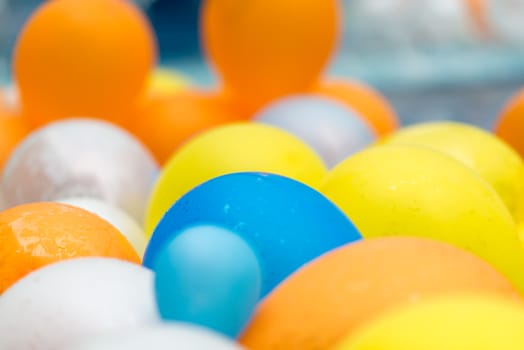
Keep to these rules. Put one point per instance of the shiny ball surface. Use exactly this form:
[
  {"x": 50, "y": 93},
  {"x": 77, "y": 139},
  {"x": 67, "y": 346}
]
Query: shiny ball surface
[
  {"x": 81, "y": 157},
  {"x": 76, "y": 300}
]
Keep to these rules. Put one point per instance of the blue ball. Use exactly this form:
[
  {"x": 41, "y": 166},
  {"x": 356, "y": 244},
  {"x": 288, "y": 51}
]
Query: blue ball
[
  {"x": 332, "y": 129},
  {"x": 286, "y": 222},
  {"x": 208, "y": 276}
]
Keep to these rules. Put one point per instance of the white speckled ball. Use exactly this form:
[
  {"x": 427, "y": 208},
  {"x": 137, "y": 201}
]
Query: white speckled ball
[
  {"x": 163, "y": 337},
  {"x": 73, "y": 300},
  {"x": 81, "y": 157},
  {"x": 116, "y": 217}
]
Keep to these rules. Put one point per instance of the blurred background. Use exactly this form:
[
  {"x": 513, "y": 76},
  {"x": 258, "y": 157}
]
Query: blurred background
[{"x": 433, "y": 59}]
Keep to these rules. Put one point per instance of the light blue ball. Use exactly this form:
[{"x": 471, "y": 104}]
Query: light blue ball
[
  {"x": 332, "y": 129},
  {"x": 208, "y": 276},
  {"x": 286, "y": 222}
]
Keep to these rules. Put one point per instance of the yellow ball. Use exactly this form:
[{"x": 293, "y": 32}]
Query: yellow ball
[
  {"x": 232, "y": 148},
  {"x": 520, "y": 229},
  {"x": 165, "y": 81},
  {"x": 397, "y": 190},
  {"x": 458, "y": 322},
  {"x": 483, "y": 152}
]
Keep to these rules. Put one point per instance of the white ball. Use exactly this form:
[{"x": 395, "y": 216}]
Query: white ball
[
  {"x": 175, "y": 336},
  {"x": 333, "y": 130},
  {"x": 67, "y": 302},
  {"x": 81, "y": 157},
  {"x": 116, "y": 217}
]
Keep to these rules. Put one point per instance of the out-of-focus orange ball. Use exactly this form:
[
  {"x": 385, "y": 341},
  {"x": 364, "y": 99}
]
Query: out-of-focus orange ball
[
  {"x": 368, "y": 103},
  {"x": 82, "y": 58},
  {"x": 38, "y": 234},
  {"x": 163, "y": 123},
  {"x": 12, "y": 131},
  {"x": 342, "y": 290},
  {"x": 477, "y": 9},
  {"x": 510, "y": 124},
  {"x": 265, "y": 49}
]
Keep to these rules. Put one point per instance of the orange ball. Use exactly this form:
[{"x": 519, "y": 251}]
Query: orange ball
[
  {"x": 367, "y": 102},
  {"x": 265, "y": 49},
  {"x": 337, "y": 293},
  {"x": 478, "y": 10},
  {"x": 164, "y": 123},
  {"x": 12, "y": 131},
  {"x": 38, "y": 234},
  {"x": 510, "y": 125},
  {"x": 87, "y": 58}
]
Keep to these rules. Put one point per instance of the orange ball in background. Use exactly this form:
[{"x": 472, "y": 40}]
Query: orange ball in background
[
  {"x": 164, "y": 123},
  {"x": 83, "y": 58},
  {"x": 478, "y": 10},
  {"x": 265, "y": 49},
  {"x": 332, "y": 296},
  {"x": 38, "y": 234},
  {"x": 510, "y": 125},
  {"x": 12, "y": 131},
  {"x": 364, "y": 100}
]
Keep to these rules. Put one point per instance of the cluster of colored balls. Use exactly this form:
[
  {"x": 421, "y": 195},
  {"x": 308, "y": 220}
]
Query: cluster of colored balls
[{"x": 279, "y": 210}]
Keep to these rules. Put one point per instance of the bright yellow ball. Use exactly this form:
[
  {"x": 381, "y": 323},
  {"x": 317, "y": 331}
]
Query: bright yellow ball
[
  {"x": 165, "y": 81},
  {"x": 460, "y": 322},
  {"x": 415, "y": 191},
  {"x": 483, "y": 152},
  {"x": 228, "y": 149}
]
